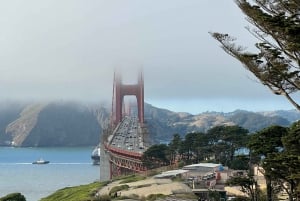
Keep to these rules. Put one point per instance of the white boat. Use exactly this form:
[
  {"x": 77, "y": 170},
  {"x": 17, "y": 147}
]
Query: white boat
[
  {"x": 40, "y": 162},
  {"x": 96, "y": 155}
]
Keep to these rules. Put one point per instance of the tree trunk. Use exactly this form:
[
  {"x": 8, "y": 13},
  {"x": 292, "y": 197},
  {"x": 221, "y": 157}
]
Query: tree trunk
[{"x": 269, "y": 188}]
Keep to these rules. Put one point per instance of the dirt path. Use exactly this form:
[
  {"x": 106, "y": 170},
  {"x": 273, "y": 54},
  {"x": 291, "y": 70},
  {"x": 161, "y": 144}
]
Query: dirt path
[{"x": 148, "y": 186}]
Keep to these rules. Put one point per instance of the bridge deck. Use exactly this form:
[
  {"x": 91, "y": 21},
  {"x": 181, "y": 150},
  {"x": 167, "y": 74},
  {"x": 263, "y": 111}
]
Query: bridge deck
[
  {"x": 123, "y": 149},
  {"x": 127, "y": 137}
]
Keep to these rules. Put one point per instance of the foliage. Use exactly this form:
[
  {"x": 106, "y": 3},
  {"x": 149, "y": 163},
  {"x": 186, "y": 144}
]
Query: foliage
[
  {"x": 267, "y": 140},
  {"x": 76, "y": 193},
  {"x": 276, "y": 25},
  {"x": 132, "y": 178},
  {"x": 153, "y": 197},
  {"x": 217, "y": 145},
  {"x": 143, "y": 186},
  {"x": 214, "y": 195},
  {"x": 279, "y": 150},
  {"x": 103, "y": 198},
  {"x": 115, "y": 189},
  {"x": 240, "y": 163},
  {"x": 248, "y": 185},
  {"x": 155, "y": 156},
  {"x": 240, "y": 198},
  {"x": 266, "y": 143},
  {"x": 177, "y": 179},
  {"x": 13, "y": 197},
  {"x": 291, "y": 158},
  {"x": 184, "y": 196},
  {"x": 225, "y": 140},
  {"x": 173, "y": 147}
]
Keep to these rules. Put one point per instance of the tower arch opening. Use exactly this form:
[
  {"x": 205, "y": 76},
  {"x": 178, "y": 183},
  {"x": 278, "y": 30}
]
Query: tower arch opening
[{"x": 121, "y": 90}]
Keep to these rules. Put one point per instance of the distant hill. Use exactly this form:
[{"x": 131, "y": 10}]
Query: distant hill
[
  {"x": 164, "y": 123},
  {"x": 52, "y": 124},
  {"x": 78, "y": 124}
]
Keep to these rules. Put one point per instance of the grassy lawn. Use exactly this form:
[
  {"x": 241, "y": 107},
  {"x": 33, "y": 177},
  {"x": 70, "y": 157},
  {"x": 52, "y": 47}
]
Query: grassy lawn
[{"x": 76, "y": 193}]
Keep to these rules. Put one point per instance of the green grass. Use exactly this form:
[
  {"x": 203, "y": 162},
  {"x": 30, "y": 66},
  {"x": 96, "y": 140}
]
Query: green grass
[
  {"x": 76, "y": 193},
  {"x": 132, "y": 178}
]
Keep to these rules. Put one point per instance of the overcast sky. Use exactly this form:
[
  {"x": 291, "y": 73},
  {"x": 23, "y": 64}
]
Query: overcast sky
[{"x": 62, "y": 50}]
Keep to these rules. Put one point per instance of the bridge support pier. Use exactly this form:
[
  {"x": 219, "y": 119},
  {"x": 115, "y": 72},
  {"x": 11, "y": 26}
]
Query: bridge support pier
[{"x": 104, "y": 165}]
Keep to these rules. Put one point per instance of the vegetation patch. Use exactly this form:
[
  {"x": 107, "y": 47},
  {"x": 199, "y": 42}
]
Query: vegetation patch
[
  {"x": 143, "y": 186},
  {"x": 132, "y": 178},
  {"x": 103, "y": 198},
  {"x": 76, "y": 193},
  {"x": 115, "y": 189},
  {"x": 177, "y": 179},
  {"x": 13, "y": 197},
  {"x": 190, "y": 196},
  {"x": 121, "y": 177},
  {"x": 153, "y": 197}
]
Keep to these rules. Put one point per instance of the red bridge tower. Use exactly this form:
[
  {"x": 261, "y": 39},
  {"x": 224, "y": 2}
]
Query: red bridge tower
[{"x": 120, "y": 90}]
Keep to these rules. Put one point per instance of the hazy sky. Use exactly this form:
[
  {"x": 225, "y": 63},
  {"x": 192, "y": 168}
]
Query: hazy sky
[{"x": 54, "y": 49}]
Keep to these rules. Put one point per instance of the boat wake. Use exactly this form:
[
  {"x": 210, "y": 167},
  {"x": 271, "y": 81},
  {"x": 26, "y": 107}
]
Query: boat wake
[
  {"x": 70, "y": 163},
  {"x": 47, "y": 164}
]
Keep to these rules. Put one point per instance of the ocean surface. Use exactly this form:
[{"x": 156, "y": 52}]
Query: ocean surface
[{"x": 67, "y": 167}]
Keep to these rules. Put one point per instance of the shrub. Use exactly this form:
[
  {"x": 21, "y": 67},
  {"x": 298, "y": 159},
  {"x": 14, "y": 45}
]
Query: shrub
[
  {"x": 118, "y": 188},
  {"x": 153, "y": 197},
  {"x": 13, "y": 197},
  {"x": 103, "y": 198},
  {"x": 143, "y": 185}
]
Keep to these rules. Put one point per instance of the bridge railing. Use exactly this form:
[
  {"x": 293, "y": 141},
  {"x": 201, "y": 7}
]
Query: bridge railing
[{"x": 123, "y": 152}]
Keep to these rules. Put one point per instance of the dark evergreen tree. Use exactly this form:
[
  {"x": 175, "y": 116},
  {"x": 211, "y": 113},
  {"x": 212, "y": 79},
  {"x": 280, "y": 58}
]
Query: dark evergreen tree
[
  {"x": 248, "y": 186},
  {"x": 155, "y": 156},
  {"x": 188, "y": 148},
  {"x": 291, "y": 143},
  {"x": 276, "y": 25},
  {"x": 225, "y": 140},
  {"x": 174, "y": 147},
  {"x": 265, "y": 144}
]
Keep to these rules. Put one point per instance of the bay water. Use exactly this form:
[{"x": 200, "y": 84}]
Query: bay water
[{"x": 67, "y": 167}]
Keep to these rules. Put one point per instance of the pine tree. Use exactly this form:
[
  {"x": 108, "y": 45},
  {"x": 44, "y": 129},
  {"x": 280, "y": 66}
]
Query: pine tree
[{"x": 276, "y": 25}]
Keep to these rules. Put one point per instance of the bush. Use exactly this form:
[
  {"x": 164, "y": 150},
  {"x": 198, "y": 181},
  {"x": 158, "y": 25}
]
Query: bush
[
  {"x": 177, "y": 178},
  {"x": 103, "y": 198},
  {"x": 13, "y": 197},
  {"x": 153, "y": 197},
  {"x": 118, "y": 188},
  {"x": 143, "y": 185}
]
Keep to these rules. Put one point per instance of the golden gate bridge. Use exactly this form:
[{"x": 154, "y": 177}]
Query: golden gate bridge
[{"x": 123, "y": 144}]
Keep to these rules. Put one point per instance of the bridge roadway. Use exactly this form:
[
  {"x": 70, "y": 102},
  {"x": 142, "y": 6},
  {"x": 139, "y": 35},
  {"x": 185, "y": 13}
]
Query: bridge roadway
[{"x": 125, "y": 147}]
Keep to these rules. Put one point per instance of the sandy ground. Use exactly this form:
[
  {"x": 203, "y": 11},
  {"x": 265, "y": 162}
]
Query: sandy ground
[
  {"x": 154, "y": 186},
  {"x": 234, "y": 191}
]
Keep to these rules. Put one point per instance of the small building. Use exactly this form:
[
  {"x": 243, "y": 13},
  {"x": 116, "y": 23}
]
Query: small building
[
  {"x": 171, "y": 173},
  {"x": 203, "y": 167},
  {"x": 203, "y": 170}
]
